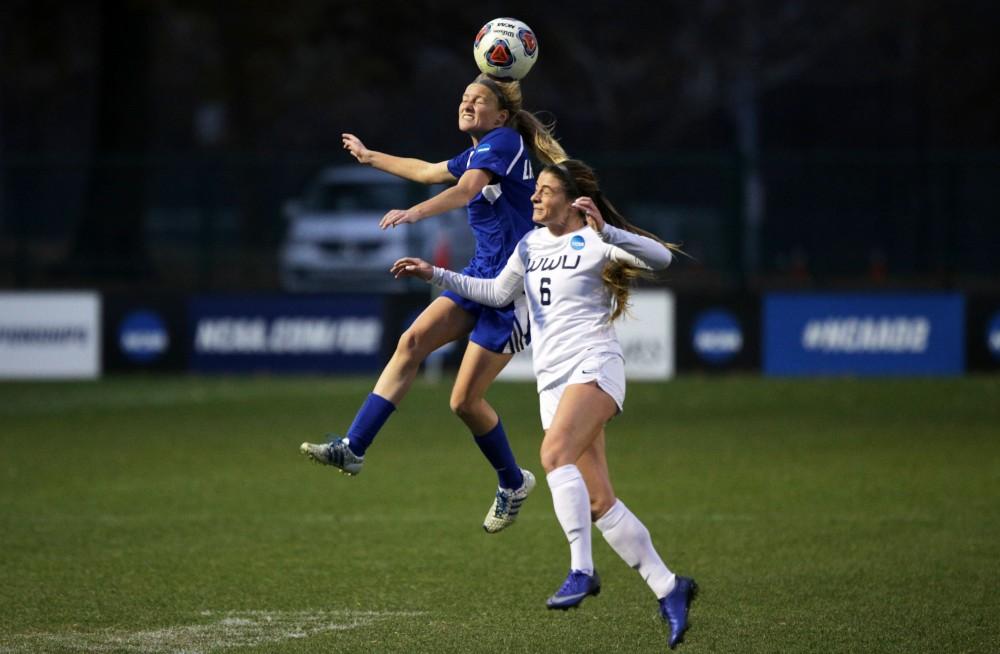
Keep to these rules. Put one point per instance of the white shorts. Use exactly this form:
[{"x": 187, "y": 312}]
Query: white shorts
[{"x": 606, "y": 368}]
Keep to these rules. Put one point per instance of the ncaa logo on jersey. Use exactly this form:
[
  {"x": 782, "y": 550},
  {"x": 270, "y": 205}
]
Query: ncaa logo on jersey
[{"x": 576, "y": 242}]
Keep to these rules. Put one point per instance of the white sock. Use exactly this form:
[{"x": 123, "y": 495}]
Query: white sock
[
  {"x": 572, "y": 504},
  {"x": 630, "y": 539}
]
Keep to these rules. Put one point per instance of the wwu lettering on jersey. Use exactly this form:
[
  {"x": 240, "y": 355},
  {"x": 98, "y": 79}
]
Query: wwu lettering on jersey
[{"x": 552, "y": 263}]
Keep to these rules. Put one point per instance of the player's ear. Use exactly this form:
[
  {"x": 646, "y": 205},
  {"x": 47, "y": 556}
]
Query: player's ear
[{"x": 502, "y": 117}]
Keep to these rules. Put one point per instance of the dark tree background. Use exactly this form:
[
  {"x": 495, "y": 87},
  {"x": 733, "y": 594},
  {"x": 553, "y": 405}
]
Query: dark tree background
[
  {"x": 117, "y": 91},
  {"x": 618, "y": 76}
]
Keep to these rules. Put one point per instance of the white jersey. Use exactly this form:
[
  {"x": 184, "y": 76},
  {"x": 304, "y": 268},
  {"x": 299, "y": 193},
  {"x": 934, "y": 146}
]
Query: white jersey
[{"x": 569, "y": 304}]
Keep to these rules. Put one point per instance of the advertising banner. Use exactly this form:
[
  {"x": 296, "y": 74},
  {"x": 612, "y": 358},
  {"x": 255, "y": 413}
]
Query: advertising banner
[
  {"x": 718, "y": 333},
  {"x": 145, "y": 332},
  {"x": 50, "y": 335},
  {"x": 332, "y": 333},
  {"x": 646, "y": 336},
  {"x": 859, "y": 334},
  {"x": 982, "y": 335}
]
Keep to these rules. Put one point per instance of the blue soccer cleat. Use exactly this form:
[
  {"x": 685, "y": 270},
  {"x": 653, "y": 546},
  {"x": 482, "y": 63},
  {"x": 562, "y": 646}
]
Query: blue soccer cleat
[
  {"x": 575, "y": 589},
  {"x": 674, "y": 608},
  {"x": 336, "y": 453}
]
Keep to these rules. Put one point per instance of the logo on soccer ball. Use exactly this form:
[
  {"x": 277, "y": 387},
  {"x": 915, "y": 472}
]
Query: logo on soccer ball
[
  {"x": 483, "y": 32},
  {"x": 528, "y": 41},
  {"x": 499, "y": 54},
  {"x": 576, "y": 242}
]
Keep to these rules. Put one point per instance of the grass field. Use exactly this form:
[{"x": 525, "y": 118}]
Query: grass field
[{"x": 152, "y": 515}]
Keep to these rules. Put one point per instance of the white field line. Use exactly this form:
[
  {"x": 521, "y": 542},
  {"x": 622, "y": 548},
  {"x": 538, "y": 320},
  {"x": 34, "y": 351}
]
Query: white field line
[{"x": 224, "y": 630}]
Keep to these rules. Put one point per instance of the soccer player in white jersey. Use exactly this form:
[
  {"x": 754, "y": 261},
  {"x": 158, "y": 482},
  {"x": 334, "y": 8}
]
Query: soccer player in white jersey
[
  {"x": 494, "y": 180},
  {"x": 575, "y": 273}
]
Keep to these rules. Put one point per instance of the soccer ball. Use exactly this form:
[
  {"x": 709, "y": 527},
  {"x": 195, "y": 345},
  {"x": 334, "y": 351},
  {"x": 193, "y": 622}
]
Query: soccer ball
[{"x": 505, "y": 48}]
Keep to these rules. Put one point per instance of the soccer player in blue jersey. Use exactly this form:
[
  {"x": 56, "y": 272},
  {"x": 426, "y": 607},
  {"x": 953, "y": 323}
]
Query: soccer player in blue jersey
[{"x": 494, "y": 179}]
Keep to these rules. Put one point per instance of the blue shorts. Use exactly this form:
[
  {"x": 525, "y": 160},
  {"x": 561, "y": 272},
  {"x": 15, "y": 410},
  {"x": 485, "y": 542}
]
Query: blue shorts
[{"x": 505, "y": 330}]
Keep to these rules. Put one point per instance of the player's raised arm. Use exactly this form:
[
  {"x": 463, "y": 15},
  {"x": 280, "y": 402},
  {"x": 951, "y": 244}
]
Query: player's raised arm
[
  {"x": 633, "y": 247},
  {"x": 415, "y": 170},
  {"x": 636, "y": 250},
  {"x": 469, "y": 186}
]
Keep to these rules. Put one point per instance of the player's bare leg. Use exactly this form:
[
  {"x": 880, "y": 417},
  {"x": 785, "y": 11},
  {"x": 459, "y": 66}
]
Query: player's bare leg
[
  {"x": 479, "y": 369},
  {"x": 579, "y": 420},
  {"x": 630, "y": 539},
  {"x": 578, "y": 423},
  {"x": 441, "y": 322},
  {"x": 593, "y": 465}
]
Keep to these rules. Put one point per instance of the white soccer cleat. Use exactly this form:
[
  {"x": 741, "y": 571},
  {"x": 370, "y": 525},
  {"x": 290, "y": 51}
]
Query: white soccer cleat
[
  {"x": 507, "y": 504},
  {"x": 336, "y": 453}
]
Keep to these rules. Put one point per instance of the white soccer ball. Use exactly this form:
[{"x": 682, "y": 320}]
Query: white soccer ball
[{"x": 505, "y": 48}]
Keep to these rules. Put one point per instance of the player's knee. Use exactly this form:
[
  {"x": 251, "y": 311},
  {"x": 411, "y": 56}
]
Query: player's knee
[
  {"x": 553, "y": 453},
  {"x": 464, "y": 406},
  {"x": 409, "y": 348}
]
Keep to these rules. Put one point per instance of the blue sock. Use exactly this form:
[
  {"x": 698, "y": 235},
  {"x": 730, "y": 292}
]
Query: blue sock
[
  {"x": 371, "y": 416},
  {"x": 497, "y": 451}
]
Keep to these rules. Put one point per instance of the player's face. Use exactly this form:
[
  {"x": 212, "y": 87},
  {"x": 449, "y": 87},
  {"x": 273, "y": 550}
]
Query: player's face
[
  {"x": 551, "y": 203},
  {"x": 479, "y": 111}
]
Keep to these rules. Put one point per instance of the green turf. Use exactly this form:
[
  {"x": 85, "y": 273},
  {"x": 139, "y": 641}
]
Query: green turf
[{"x": 151, "y": 515}]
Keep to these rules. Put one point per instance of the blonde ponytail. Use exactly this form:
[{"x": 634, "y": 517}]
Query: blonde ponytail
[{"x": 540, "y": 137}]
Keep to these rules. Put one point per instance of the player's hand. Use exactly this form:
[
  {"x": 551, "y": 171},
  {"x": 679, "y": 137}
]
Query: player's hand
[
  {"x": 412, "y": 267},
  {"x": 590, "y": 212},
  {"x": 354, "y": 145},
  {"x": 398, "y": 217}
]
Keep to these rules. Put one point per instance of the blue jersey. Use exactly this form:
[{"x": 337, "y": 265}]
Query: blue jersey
[{"x": 501, "y": 213}]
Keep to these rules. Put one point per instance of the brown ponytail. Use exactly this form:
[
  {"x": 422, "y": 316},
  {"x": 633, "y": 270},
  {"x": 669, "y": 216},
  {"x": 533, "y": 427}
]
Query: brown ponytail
[{"x": 579, "y": 178}]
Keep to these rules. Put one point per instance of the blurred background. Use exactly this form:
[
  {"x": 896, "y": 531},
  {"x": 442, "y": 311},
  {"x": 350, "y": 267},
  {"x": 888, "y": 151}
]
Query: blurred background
[
  {"x": 179, "y": 163},
  {"x": 167, "y": 144}
]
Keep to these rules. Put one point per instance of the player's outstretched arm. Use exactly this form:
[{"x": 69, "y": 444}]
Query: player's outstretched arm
[
  {"x": 412, "y": 267},
  {"x": 469, "y": 185},
  {"x": 497, "y": 292},
  {"x": 415, "y": 170},
  {"x": 635, "y": 249}
]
